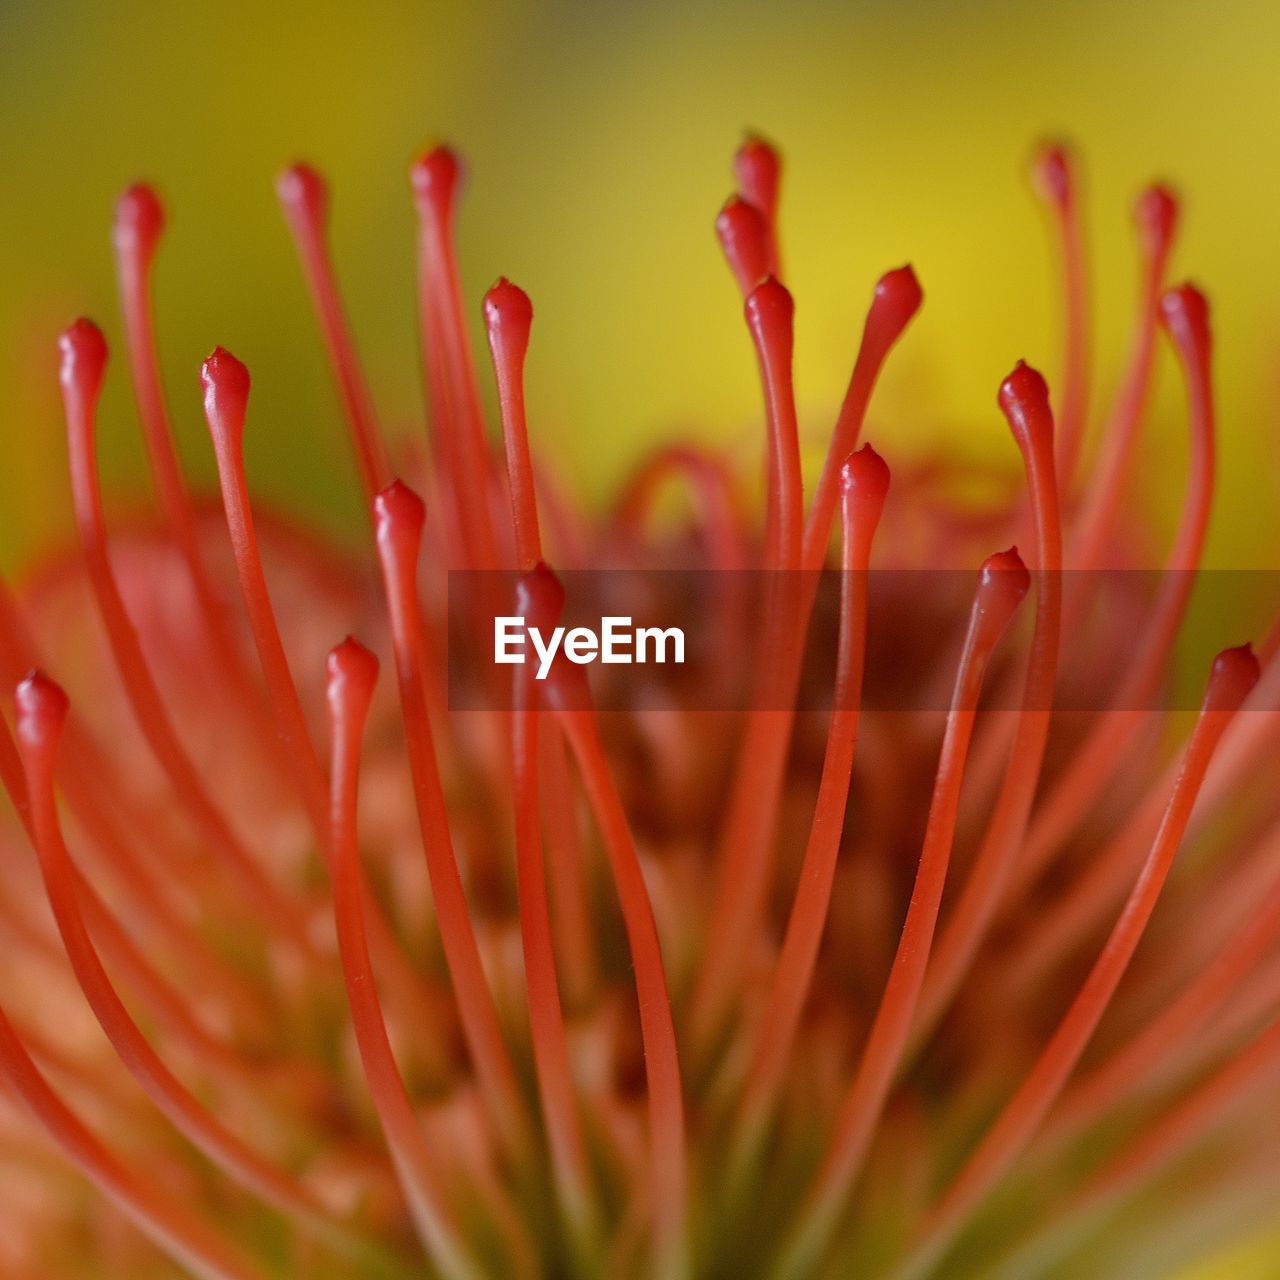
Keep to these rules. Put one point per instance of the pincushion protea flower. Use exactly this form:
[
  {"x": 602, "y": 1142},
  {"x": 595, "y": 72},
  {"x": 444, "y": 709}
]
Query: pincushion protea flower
[{"x": 676, "y": 993}]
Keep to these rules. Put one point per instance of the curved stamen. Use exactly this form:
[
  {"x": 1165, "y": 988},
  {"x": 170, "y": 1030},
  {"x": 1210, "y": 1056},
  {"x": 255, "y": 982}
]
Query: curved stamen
[
  {"x": 1001, "y": 587},
  {"x": 1233, "y": 675},
  {"x": 304, "y": 199}
]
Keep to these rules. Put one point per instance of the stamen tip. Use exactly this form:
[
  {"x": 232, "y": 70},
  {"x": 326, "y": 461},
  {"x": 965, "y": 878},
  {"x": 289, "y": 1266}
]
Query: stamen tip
[
  {"x": 41, "y": 707},
  {"x": 83, "y": 352},
  {"x": 757, "y": 168},
  {"x": 1003, "y": 582},
  {"x": 540, "y": 596},
  {"x": 399, "y": 515},
  {"x": 864, "y": 477},
  {"x": 1155, "y": 214},
  {"x": 225, "y": 381},
  {"x": 1024, "y": 401},
  {"x": 769, "y": 308},
  {"x": 744, "y": 239},
  {"x": 1231, "y": 678},
  {"x": 139, "y": 220},
  {"x": 352, "y": 672},
  {"x": 898, "y": 296},
  {"x": 300, "y": 189},
  {"x": 1184, "y": 312},
  {"x": 508, "y": 316},
  {"x": 1052, "y": 174},
  {"x": 434, "y": 177}
]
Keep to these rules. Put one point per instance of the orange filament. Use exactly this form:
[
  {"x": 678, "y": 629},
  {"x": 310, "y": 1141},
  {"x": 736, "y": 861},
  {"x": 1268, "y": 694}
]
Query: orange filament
[
  {"x": 1001, "y": 587},
  {"x": 745, "y": 854},
  {"x": 84, "y": 355},
  {"x": 1054, "y": 181},
  {"x": 139, "y": 222},
  {"x": 546, "y": 1016},
  {"x": 164, "y": 1220},
  {"x": 399, "y": 517},
  {"x": 1156, "y": 220},
  {"x": 508, "y": 315},
  {"x": 435, "y": 178},
  {"x": 304, "y": 199},
  {"x": 1234, "y": 673},
  {"x": 352, "y": 671},
  {"x": 864, "y": 483},
  {"x": 896, "y": 299},
  {"x": 42, "y": 708},
  {"x": 668, "y": 1188},
  {"x": 1185, "y": 315},
  {"x": 1024, "y": 400},
  {"x": 757, "y": 167}
]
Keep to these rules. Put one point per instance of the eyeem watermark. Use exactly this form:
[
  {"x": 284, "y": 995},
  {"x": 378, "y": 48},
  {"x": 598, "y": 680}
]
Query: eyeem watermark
[{"x": 617, "y": 641}]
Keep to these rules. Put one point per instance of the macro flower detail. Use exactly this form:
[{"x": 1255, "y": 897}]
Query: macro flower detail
[{"x": 309, "y": 971}]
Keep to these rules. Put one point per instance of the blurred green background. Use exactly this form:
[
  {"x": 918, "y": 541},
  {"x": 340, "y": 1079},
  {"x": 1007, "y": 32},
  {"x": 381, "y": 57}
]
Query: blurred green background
[{"x": 599, "y": 136}]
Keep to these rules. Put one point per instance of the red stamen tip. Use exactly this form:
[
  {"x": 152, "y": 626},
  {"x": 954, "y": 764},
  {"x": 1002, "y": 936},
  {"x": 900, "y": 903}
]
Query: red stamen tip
[
  {"x": 1024, "y": 401},
  {"x": 1155, "y": 215},
  {"x": 897, "y": 298},
  {"x": 1184, "y": 311},
  {"x": 864, "y": 479},
  {"x": 435, "y": 177},
  {"x": 399, "y": 515},
  {"x": 770, "y": 313},
  {"x": 757, "y": 168},
  {"x": 41, "y": 708},
  {"x": 1052, "y": 175},
  {"x": 1232, "y": 676},
  {"x": 540, "y": 596},
  {"x": 508, "y": 316},
  {"x": 352, "y": 672},
  {"x": 744, "y": 238},
  {"x": 84, "y": 359},
  {"x": 302, "y": 191},
  {"x": 138, "y": 222},
  {"x": 226, "y": 395},
  {"x": 1003, "y": 582}
]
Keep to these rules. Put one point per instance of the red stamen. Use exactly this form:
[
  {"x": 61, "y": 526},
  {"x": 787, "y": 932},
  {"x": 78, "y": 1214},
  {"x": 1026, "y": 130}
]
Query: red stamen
[
  {"x": 1024, "y": 400},
  {"x": 1233, "y": 675},
  {"x": 568, "y": 692},
  {"x": 41, "y": 711},
  {"x": 1054, "y": 182},
  {"x": 567, "y": 876},
  {"x": 864, "y": 484},
  {"x": 226, "y": 390},
  {"x": 158, "y": 997},
  {"x": 1156, "y": 220},
  {"x": 746, "y": 851},
  {"x": 435, "y": 178},
  {"x": 541, "y": 602},
  {"x": 1001, "y": 587},
  {"x": 770, "y": 317},
  {"x": 304, "y": 200},
  {"x": 84, "y": 355},
  {"x": 352, "y": 672},
  {"x": 508, "y": 315},
  {"x": 399, "y": 517},
  {"x": 166, "y": 1222},
  {"x": 1171, "y": 1028},
  {"x": 896, "y": 300},
  {"x": 139, "y": 222},
  {"x": 1185, "y": 314},
  {"x": 743, "y": 232},
  {"x": 757, "y": 167}
]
